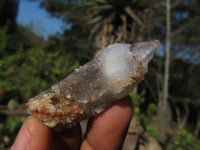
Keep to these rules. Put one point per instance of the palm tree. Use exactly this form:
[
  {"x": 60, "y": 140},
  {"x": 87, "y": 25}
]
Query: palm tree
[{"x": 118, "y": 21}]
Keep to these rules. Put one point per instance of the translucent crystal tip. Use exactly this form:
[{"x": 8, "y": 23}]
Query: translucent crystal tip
[{"x": 144, "y": 51}]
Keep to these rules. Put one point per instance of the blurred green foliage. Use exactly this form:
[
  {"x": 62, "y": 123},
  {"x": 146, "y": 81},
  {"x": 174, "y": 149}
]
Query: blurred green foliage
[
  {"x": 151, "y": 130},
  {"x": 3, "y": 38},
  {"x": 152, "y": 108},
  {"x": 137, "y": 99},
  {"x": 9, "y": 129},
  {"x": 1, "y": 133},
  {"x": 12, "y": 104},
  {"x": 144, "y": 118},
  {"x": 14, "y": 123},
  {"x": 26, "y": 72},
  {"x": 184, "y": 141}
]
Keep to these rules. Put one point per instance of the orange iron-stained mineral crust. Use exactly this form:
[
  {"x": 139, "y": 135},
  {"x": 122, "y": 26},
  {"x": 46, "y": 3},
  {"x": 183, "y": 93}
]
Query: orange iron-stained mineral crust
[{"x": 92, "y": 87}]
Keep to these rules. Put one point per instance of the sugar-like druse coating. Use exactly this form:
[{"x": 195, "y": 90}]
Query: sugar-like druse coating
[
  {"x": 92, "y": 87},
  {"x": 117, "y": 60}
]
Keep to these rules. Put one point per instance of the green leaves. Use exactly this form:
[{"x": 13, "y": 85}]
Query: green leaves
[
  {"x": 95, "y": 20},
  {"x": 137, "y": 99},
  {"x": 152, "y": 131},
  {"x": 3, "y": 38},
  {"x": 14, "y": 123},
  {"x": 184, "y": 141}
]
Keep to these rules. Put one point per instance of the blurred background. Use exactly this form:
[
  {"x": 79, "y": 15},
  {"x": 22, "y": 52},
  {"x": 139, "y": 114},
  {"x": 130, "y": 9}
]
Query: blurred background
[{"x": 42, "y": 41}]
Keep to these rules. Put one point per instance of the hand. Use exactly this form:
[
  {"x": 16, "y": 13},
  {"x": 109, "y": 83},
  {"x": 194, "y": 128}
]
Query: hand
[{"x": 105, "y": 131}]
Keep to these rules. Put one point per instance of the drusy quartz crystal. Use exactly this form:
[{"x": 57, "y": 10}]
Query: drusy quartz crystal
[{"x": 92, "y": 87}]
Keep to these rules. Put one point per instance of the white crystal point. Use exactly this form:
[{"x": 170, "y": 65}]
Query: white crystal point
[
  {"x": 94, "y": 86},
  {"x": 144, "y": 51}
]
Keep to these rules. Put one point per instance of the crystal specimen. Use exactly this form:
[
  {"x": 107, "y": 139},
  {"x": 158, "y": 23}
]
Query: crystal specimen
[{"x": 92, "y": 87}]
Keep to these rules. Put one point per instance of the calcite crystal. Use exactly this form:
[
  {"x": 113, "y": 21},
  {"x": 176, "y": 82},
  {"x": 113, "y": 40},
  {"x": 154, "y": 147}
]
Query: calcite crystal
[{"x": 92, "y": 87}]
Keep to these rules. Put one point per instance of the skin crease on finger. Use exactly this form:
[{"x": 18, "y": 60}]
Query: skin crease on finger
[{"x": 106, "y": 131}]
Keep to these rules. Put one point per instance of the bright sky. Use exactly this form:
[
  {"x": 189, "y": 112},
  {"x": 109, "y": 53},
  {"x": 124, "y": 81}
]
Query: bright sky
[
  {"x": 30, "y": 12},
  {"x": 45, "y": 25}
]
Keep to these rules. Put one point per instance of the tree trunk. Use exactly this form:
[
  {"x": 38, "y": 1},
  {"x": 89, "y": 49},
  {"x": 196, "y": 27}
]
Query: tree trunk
[
  {"x": 196, "y": 132},
  {"x": 164, "y": 113}
]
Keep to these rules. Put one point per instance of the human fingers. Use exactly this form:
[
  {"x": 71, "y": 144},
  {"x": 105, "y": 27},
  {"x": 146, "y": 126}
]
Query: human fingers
[
  {"x": 33, "y": 135},
  {"x": 108, "y": 129}
]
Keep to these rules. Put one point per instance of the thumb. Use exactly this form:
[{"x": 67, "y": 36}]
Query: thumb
[{"x": 33, "y": 135}]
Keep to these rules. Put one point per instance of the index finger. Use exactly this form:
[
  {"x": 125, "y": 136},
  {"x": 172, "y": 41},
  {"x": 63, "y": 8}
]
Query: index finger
[{"x": 108, "y": 129}]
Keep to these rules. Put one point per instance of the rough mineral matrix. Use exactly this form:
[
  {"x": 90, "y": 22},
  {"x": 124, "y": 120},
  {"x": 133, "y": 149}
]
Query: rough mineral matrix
[{"x": 92, "y": 87}]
